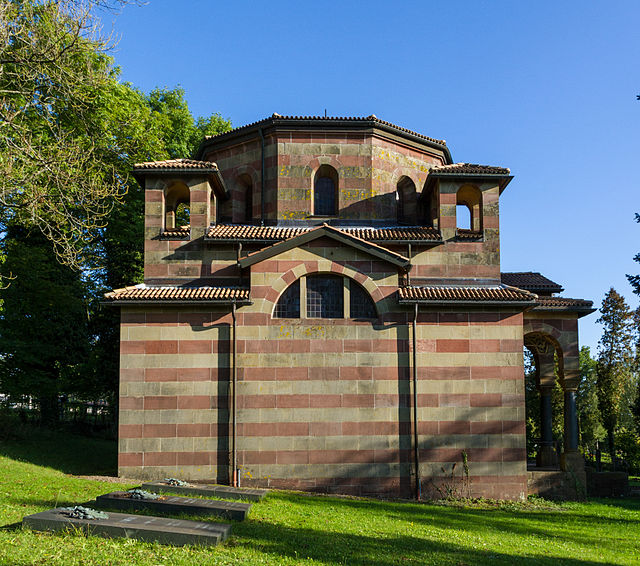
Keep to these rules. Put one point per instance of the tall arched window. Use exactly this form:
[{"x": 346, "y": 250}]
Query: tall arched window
[
  {"x": 406, "y": 201},
  {"x": 469, "y": 198},
  {"x": 325, "y": 191},
  {"x": 246, "y": 187},
  {"x": 176, "y": 206}
]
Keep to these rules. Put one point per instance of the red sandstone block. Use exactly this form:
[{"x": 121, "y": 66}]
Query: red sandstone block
[
  {"x": 440, "y": 455},
  {"x": 427, "y": 427},
  {"x": 514, "y": 454},
  {"x": 130, "y": 431},
  {"x": 484, "y": 346},
  {"x": 193, "y": 430},
  {"x": 355, "y": 428},
  {"x": 258, "y": 401},
  {"x": 486, "y": 427},
  {"x": 159, "y": 430},
  {"x": 326, "y": 346},
  {"x": 132, "y": 347},
  {"x": 324, "y": 373},
  {"x": 161, "y": 402},
  {"x": 194, "y": 402},
  {"x": 160, "y": 458},
  {"x": 292, "y": 457},
  {"x": 485, "y": 400},
  {"x": 428, "y": 400},
  {"x": 259, "y": 457},
  {"x": 199, "y": 374},
  {"x": 316, "y": 401},
  {"x": 513, "y": 427},
  {"x": 161, "y": 347},
  {"x": 153, "y": 195},
  {"x": 484, "y": 454},
  {"x": 510, "y": 400},
  {"x": 426, "y": 345},
  {"x": 156, "y": 271},
  {"x": 361, "y": 345},
  {"x": 133, "y": 374},
  {"x": 129, "y": 459},
  {"x": 448, "y": 373},
  {"x": 355, "y": 400},
  {"x": 259, "y": 429},
  {"x": 260, "y": 374},
  {"x": 292, "y": 429},
  {"x": 325, "y": 429},
  {"x": 194, "y": 319},
  {"x": 132, "y": 318},
  {"x": 292, "y": 401},
  {"x": 162, "y": 318},
  {"x": 511, "y": 346},
  {"x": 194, "y": 458},
  {"x": 294, "y": 374},
  {"x": 365, "y": 373},
  {"x": 131, "y": 403},
  {"x": 194, "y": 346},
  {"x": 256, "y": 319},
  {"x": 390, "y": 373},
  {"x": 160, "y": 374},
  {"x": 261, "y": 346},
  {"x": 219, "y": 402},
  {"x": 452, "y": 346},
  {"x": 454, "y": 427},
  {"x": 453, "y": 318},
  {"x": 453, "y": 400},
  {"x": 293, "y": 346}
]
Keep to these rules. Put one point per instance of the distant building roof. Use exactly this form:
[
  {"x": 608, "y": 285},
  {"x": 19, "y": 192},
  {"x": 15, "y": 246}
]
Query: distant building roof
[
  {"x": 177, "y": 164},
  {"x": 531, "y": 281}
]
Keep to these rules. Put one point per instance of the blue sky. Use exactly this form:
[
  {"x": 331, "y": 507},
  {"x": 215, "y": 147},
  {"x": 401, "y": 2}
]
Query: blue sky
[{"x": 547, "y": 89}]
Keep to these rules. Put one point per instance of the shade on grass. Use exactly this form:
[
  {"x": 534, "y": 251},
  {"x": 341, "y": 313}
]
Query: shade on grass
[{"x": 289, "y": 528}]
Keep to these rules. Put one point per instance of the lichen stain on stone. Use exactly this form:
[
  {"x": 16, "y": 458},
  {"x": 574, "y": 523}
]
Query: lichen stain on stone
[{"x": 316, "y": 331}]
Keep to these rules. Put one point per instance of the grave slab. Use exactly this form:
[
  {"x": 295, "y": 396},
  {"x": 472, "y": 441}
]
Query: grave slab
[
  {"x": 210, "y": 490},
  {"x": 173, "y": 505},
  {"x": 177, "y": 532}
]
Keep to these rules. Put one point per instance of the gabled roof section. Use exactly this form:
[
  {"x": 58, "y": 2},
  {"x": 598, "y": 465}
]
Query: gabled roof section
[
  {"x": 531, "y": 281},
  {"x": 265, "y": 234},
  {"x": 334, "y": 234},
  {"x": 470, "y": 171},
  {"x": 343, "y": 122},
  {"x": 144, "y": 294},
  {"x": 466, "y": 295},
  {"x": 179, "y": 167}
]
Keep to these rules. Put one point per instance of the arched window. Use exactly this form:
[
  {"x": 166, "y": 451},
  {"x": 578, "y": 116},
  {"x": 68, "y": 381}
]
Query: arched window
[
  {"x": 406, "y": 201},
  {"x": 470, "y": 198},
  {"x": 325, "y": 191},
  {"x": 326, "y": 297},
  {"x": 360, "y": 303},
  {"x": 288, "y": 306},
  {"x": 176, "y": 206},
  {"x": 246, "y": 186}
]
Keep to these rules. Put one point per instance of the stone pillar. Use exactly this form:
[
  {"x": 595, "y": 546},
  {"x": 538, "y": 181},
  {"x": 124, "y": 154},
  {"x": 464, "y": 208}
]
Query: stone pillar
[
  {"x": 572, "y": 460},
  {"x": 547, "y": 457}
]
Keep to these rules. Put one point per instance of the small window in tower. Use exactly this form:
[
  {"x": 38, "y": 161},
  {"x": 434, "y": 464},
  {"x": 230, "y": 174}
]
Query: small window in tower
[
  {"x": 361, "y": 305},
  {"x": 325, "y": 192},
  {"x": 325, "y": 296},
  {"x": 182, "y": 215},
  {"x": 463, "y": 216},
  {"x": 288, "y": 306}
]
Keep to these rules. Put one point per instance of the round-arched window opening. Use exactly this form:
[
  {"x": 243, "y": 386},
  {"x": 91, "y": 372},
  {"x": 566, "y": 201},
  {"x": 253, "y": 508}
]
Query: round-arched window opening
[
  {"x": 325, "y": 192},
  {"x": 183, "y": 215}
]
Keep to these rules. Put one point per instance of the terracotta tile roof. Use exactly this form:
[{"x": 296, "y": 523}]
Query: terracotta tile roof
[
  {"x": 472, "y": 235},
  {"x": 454, "y": 294},
  {"x": 371, "y": 119},
  {"x": 564, "y": 303},
  {"x": 142, "y": 293},
  {"x": 235, "y": 232},
  {"x": 175, "y": 233},
  {"x": 177, "y": 164},
  {"x": 468, "y": 169},
  {"x": 531, "y": 281}
]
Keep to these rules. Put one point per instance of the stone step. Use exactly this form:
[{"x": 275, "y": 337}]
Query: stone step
[
  {"x": 210, "y": 490},
  {"x": 174, "y": 505},
  {"x": 177, "y": 532}
]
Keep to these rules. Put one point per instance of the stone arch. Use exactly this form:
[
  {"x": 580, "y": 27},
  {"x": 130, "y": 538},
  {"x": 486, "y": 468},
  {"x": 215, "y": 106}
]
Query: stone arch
[
  {"x": 328, "y": 267},
  {"x": 470, "y": 197},
  {"x": 176, "y": 193}
]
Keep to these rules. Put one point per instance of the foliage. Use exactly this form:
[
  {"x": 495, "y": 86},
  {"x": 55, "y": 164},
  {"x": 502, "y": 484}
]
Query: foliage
[
  {"x": 43, "y": 326},
  {"x": 290, "y": 528},
  {"x": 615, "y": 361},
  {"x": 57, "y": 90},
  {"x": 590, "y": 425},
  {"x": 628, "y": 449}
]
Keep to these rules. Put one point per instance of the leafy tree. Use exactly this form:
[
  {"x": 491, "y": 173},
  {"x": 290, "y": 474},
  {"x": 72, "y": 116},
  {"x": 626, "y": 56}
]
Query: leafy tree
[
  {"x": 591, "y": 429},
  {"x": 615, "y": 361},
  {"x": 43, "y": 326}
]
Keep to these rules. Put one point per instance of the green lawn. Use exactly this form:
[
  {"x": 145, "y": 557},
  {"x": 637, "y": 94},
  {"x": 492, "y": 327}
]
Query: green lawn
[{"x": 289, "y": 528}]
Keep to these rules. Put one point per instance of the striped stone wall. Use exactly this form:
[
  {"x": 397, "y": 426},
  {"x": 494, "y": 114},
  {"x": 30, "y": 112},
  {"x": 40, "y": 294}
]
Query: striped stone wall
[{"x": 324, "y": 404}]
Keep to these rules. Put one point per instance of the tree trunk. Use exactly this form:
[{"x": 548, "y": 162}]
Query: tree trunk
[{"x": 49, "y": 413}]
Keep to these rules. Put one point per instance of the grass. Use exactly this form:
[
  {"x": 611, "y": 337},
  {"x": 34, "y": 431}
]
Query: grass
[{"x": 290, "y": 528}]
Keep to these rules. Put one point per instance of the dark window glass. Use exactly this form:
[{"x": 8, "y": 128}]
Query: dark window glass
[
  {"x": 324, "y": 197},
  {"x": 361, "y": 305},
  {"x": 325, "y": 297},
  {"x": 288, "y": 305}
]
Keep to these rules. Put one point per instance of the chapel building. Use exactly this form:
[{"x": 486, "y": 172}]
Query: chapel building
[{"x": 323, "y": 309}]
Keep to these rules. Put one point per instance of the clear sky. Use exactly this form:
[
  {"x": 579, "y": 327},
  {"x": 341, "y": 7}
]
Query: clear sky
[{"x": 545, "y": 88}]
